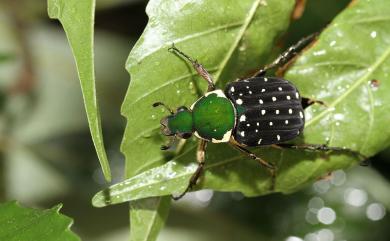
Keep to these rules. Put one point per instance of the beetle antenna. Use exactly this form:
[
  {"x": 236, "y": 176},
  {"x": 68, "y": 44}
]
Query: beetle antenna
[
  {"x": 169, "y": 145},
  {"x": 178, "y": 51},
  {"x": 162, "y": 104}
]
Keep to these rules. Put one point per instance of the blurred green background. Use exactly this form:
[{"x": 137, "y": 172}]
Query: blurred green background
[{"x": 47, "y": 156}]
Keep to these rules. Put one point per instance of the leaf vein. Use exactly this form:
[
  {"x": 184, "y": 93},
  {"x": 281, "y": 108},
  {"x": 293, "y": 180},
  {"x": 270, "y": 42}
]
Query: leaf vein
[
  {"x": 192, "y": 36},
  {"x": 165, "y": 84},
  {"x": 371, "y": 117},
  {"x": 352, "y": 88}
]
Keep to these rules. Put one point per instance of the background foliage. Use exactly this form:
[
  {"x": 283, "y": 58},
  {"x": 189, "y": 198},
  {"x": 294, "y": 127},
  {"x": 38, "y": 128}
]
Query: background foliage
[{"x": 48, "y": 158}]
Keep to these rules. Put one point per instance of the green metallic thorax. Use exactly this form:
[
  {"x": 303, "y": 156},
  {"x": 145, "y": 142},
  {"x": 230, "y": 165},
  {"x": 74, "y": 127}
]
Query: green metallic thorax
[{"x": 213, "y": 116}]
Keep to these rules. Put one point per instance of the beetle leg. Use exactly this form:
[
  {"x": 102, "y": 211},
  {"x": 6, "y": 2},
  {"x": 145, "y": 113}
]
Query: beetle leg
[
  {"x": 200, "y": 157},
  {"x": 287, "y": 55},
  {"x": 270, "y": 167},
  {"x": 306, "y": 102},
  {"x": 324, "y": 147},
  {"x": 197, "y": 66},
  {"x": 169, "y": 144}
]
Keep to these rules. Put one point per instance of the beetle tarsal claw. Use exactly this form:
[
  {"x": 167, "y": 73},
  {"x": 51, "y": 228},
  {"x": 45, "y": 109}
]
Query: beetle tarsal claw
[
  {"x": 164, "y": 147},
  {"x": 172, "y": 48}
]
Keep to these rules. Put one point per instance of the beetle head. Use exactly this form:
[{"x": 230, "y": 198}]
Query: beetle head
[{"x": 177, "y": 124}]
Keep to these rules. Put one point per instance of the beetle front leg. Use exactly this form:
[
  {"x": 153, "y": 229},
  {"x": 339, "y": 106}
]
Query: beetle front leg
[
  {"x": 197, "y": 66},
  {"x": 270, "y": 167},
  {"x": 200, "y": 157},
  {"x": 287, "y": 55}
]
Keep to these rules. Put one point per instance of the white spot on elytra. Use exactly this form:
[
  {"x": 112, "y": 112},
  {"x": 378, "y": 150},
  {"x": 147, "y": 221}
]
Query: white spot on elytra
[
  {"x": 239, "y": 101},
  {"x": 277, "y": 112},
  {"x": 297, "y": 95},
  {"x": 232, "y": 89},
  {"x": 256, "y": 130},
  {"x": 240, "y": 94},
  {"x": 301, "y": 114},
  {"x": 290, "y": 111},
  {"x": 242, "y": 133},
  {"x": 280, "y": 89},
  {"x": 271, "y": 123},
  {"x": 261, "y": 101},
  {"x": 257, "y": 123},
  {"x": 247, "y": 87},
  {"x": 259, "y": 141},
  {"x": 263, "y": 112},
  {"x": 273, "y": 98},
  {"x": 248, "y": 125},
  {"x": 263, "y": 90},
  {"x": 242, "y": 118},
  {"x": 250, "y": 92},
  {"x": 288, "y": 97},
  {"x": 265, "y": 79},
  {"x": 278, "y": 137},
  {"x": 286, "y": 121}
]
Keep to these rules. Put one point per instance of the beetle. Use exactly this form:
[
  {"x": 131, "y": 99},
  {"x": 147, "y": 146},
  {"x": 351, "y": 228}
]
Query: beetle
[{"x": 256, "y": 111}]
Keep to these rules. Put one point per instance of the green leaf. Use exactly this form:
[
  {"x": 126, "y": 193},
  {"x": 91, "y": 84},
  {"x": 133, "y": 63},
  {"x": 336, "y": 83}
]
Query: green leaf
[
  {"x": 216, "y": 36},
  {"x": 25, "y": 224},
  {"x": 350, "y": 53},
  {"x": 229, "y": 37},
  {"x": 229, "y": 41},
  {"x": 77, "y": 19},
  {"x": 147, "y": 217}
]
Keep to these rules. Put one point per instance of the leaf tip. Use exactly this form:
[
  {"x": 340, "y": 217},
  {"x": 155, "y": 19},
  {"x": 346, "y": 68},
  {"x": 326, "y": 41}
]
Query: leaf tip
[
  {"x": 105, "y": 165},
  {"x": 57, "y": 207},
  {"x": 107, "y": 174},
  {"x": 101, "y": 199},
  {"x": 53, "y": 9}
]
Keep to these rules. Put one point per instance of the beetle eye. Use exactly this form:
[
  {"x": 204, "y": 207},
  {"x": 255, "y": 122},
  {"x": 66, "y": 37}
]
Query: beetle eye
[
  {"x": 164, "y": 127},
  {"x": 165, "y": 131},
  {"x": 185, "y": 135}
]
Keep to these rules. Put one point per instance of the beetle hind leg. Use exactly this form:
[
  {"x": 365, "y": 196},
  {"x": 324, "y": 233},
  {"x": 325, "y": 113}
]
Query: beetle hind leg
[
  {"x": 364, "y": 160},
  {"x": 269, "y": 166},
  {"x": 306, "y": 102}
]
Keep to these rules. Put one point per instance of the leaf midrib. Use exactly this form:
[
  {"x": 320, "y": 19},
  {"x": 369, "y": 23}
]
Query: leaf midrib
[
  {"x": 181, "y": 175},
  {"x": 239, "y": 36},
  {"x": 152, "y": 223}
]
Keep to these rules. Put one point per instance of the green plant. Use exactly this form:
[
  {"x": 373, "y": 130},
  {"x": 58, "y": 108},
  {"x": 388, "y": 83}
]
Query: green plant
[{"x": 346, "y": 68}]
